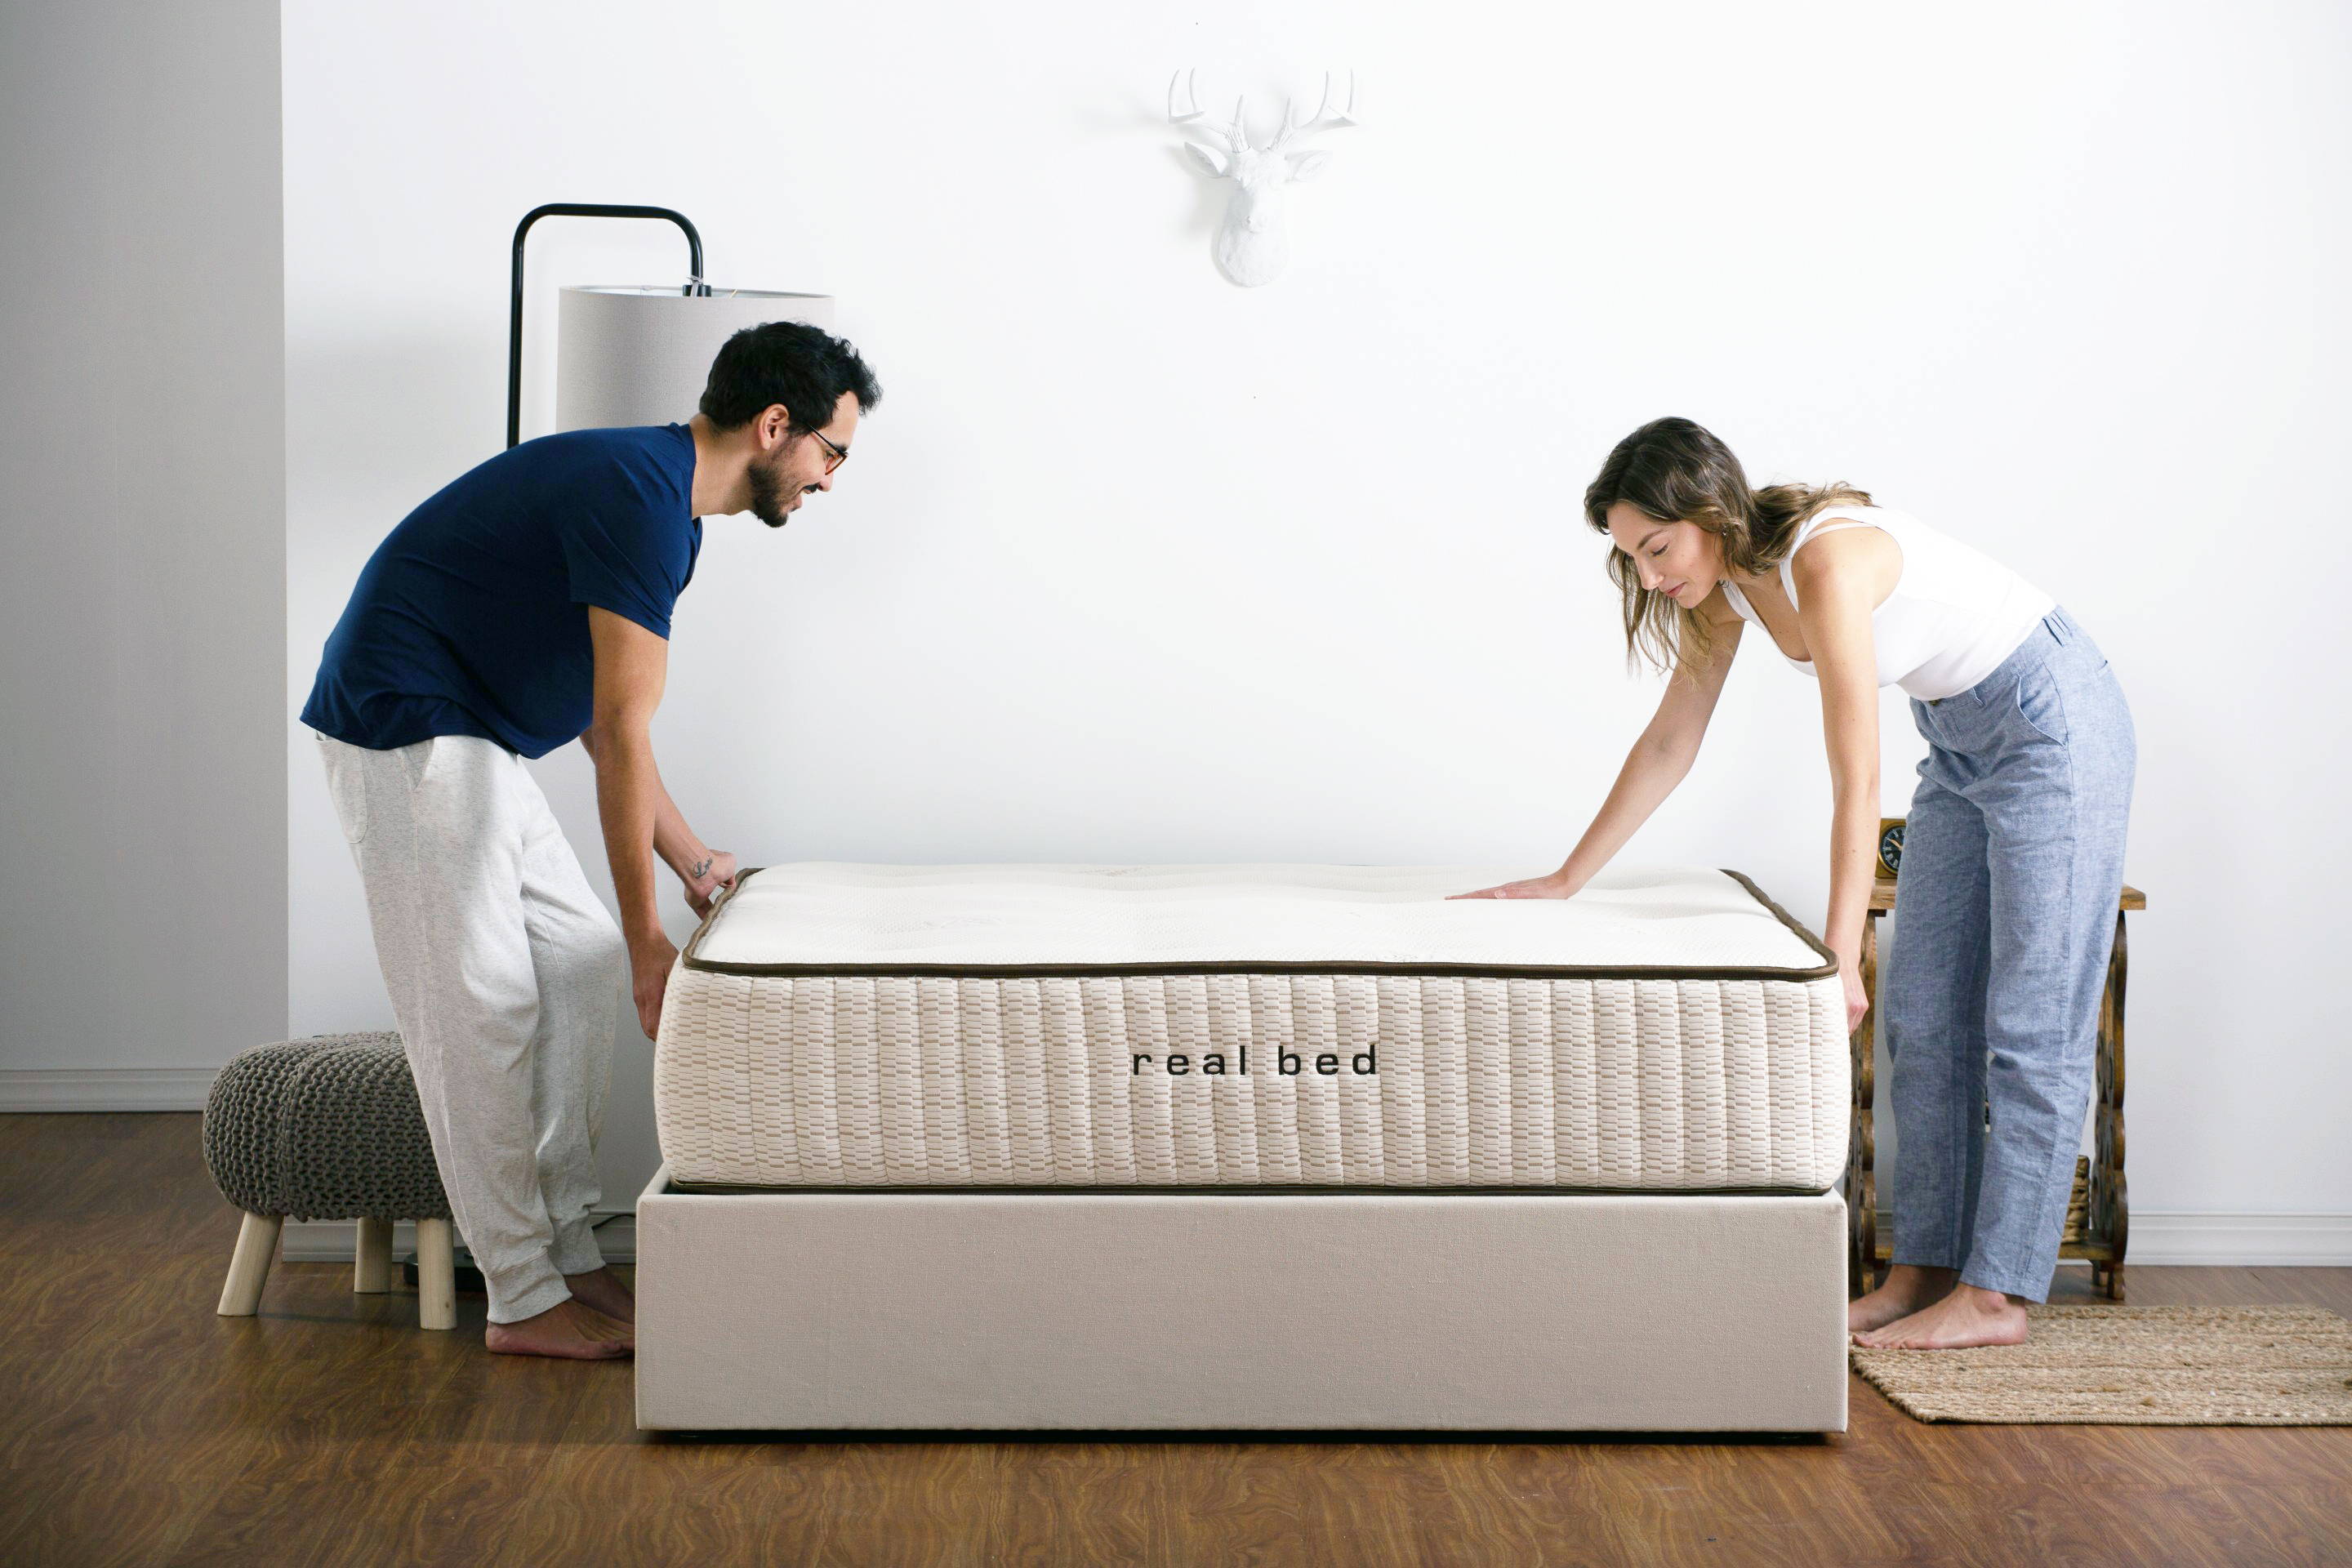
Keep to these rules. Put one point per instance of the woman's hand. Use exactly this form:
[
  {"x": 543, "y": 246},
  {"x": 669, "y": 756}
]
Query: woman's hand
[
  {"x": 1857, "y": 1002},
  {"x": 1552, "y": 887},
  {"x": 705, "y": 877}
]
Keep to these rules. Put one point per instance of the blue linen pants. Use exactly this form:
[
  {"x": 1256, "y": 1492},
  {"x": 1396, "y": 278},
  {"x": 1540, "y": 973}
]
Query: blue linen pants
[{"x": 2005, "y": 914}]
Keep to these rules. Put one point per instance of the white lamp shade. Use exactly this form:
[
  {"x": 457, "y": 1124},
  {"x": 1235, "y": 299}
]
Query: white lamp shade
[{"x": 641, "y": 355}]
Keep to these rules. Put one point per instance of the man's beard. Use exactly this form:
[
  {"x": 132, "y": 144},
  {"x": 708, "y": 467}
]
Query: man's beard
[{"x": 768, "y": 496}]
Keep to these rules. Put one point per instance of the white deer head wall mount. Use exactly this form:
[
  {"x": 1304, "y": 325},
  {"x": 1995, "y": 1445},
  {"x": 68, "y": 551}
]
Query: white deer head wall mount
[{"x": 1253, "y": 243}]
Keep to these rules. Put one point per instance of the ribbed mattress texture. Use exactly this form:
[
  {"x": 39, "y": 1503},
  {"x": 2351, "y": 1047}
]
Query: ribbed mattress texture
[{"x": 860, "y": 1026}]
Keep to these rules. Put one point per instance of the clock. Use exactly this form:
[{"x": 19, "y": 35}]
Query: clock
[{"x": 1890, "y": 846}]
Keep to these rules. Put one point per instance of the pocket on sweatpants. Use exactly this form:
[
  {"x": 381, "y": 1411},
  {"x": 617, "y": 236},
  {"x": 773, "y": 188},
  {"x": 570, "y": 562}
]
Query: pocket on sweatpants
[
  {"x": 417, "y": 759},
  {"x": 347, "y": 788}
]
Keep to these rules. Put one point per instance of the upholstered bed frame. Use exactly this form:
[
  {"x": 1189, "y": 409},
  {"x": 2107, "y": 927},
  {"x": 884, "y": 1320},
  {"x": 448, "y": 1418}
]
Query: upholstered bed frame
[{"x": 943, "y": 1150}]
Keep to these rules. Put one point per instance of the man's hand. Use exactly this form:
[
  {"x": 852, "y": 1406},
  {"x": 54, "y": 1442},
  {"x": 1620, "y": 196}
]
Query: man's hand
[
  {"x": 1552, "y": 887},
  {"x": 650, "y": 959},
  {"x": 705, "y": 877}
]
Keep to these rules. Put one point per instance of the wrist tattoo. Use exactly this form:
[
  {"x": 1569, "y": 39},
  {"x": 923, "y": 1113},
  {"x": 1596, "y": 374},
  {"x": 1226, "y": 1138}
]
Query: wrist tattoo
[{"x": 701, "y": 868}]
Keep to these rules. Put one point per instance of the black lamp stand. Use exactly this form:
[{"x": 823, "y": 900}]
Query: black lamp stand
[{"x": 694, "y": 284}]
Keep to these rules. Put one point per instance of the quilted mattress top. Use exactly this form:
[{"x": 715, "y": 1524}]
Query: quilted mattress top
[{"x": 843, "y": 918}]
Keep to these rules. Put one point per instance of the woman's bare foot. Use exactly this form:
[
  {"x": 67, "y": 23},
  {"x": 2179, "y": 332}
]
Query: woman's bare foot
[
  {"x": 601, "y": 1288},
  {"x": 1969, "y": 1316},
  {"x": 571, "y": 1329},
  {"x": 1908, "y": 1288}
]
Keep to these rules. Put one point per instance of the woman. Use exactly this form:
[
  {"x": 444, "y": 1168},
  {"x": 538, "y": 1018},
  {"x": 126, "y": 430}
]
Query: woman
[{"x": 2012, "y": 857}]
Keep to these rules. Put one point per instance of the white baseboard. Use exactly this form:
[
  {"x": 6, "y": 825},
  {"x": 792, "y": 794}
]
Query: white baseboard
[
  {"x": 105, "y": 1088},
  {"x": 2282, "y": 1240},
  {"x": 334, "y": 1240},
  {"x": 2235, "y": 1240}
]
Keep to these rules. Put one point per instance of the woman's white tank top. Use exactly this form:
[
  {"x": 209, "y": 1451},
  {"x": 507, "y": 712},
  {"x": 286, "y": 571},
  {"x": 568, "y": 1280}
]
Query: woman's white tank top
[{"x": 1954, "y": 613}]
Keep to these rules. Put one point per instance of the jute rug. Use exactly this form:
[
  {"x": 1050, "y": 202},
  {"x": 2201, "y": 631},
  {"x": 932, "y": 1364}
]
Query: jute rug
[{"x": 2137, "y": 1366}]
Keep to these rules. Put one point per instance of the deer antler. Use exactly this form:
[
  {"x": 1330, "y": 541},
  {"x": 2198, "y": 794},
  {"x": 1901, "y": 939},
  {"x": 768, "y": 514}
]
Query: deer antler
[
  {"x": 1323, "y": 119},
  {"x": 1235, "y": 140},
  {"x": 1234, "y": 136}
]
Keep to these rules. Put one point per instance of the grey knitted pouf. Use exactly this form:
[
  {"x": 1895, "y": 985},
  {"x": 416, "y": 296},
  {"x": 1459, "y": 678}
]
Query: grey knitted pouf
[{"x": 327, "y": 1128}]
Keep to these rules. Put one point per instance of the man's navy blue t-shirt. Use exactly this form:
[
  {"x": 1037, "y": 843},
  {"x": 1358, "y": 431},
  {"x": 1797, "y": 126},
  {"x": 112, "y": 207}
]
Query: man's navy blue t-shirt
[{"x": 471, "y": 617}]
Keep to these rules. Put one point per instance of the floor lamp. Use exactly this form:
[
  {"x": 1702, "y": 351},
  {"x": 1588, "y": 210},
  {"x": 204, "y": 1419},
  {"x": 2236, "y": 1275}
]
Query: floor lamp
[{"x": 638, "y": 354}]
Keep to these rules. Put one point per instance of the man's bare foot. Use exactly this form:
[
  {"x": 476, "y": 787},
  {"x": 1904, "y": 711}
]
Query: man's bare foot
[
  {"x": 1969, "y": 1316},
  {"x": 1908, "y": 1288},
  {"x": 601, "y": 1288},
  {"x": 570, "y": 1329}
]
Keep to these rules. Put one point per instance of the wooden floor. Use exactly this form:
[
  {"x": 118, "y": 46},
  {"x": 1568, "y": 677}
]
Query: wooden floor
[{"x": 143, "y": 1429}]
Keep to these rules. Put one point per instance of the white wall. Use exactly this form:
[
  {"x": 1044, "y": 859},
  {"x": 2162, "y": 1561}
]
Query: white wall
[
  {"x": 142, "y": 441},
  {"x": 1134, "y": 565}
]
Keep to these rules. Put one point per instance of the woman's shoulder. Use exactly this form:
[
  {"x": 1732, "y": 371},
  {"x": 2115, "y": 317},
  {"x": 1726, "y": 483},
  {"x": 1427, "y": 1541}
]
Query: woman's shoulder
[
  {"x": 1856, "y": 512},
  {"x": 1869, "y": 541},
  {"x": 1851, "y": 526}
]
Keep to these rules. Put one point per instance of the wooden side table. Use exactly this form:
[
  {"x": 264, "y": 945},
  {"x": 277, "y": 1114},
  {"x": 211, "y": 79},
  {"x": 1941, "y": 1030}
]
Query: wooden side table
[{"x": 2097, "y": 1219}]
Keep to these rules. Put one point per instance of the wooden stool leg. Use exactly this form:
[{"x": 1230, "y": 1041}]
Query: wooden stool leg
[
  {"x": 248, "y": 1266},
  {"x": 437, "y": 1276},
  {"x": 371, "y": 1264}
]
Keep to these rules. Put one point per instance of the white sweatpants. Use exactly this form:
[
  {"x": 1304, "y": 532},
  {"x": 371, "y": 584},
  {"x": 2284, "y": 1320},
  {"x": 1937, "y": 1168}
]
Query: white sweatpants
[{"x": 505, "y": 970}]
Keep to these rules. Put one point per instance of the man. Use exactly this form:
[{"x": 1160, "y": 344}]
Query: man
[{"x": 527, "y": 604}]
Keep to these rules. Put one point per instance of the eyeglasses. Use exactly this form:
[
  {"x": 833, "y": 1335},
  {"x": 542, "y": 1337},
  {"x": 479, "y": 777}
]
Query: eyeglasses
[{"x": 835, "y": 456}]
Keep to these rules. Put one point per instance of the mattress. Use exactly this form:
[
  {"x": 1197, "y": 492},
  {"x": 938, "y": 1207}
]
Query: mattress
[{"x": 842, "y": 1026}]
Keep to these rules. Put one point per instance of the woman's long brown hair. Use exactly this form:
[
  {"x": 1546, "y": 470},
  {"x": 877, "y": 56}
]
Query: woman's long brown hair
[{"x": 1676, "y": 471}]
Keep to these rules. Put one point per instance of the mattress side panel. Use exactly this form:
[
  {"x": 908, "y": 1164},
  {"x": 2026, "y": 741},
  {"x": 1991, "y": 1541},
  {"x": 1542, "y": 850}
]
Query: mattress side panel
[
  {"x": 1215, "y": 1079},
  {"x": 1832, "y": 1080},
  {"x": 703, "y": 1095}
]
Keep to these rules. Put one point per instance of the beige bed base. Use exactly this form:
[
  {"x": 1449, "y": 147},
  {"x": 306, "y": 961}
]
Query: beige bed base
[{"x": 808, "y": 1310}]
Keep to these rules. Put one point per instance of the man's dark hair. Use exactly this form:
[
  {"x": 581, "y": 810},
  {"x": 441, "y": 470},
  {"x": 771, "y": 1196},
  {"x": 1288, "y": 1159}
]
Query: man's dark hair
[{"x": 804, "y": 368}]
